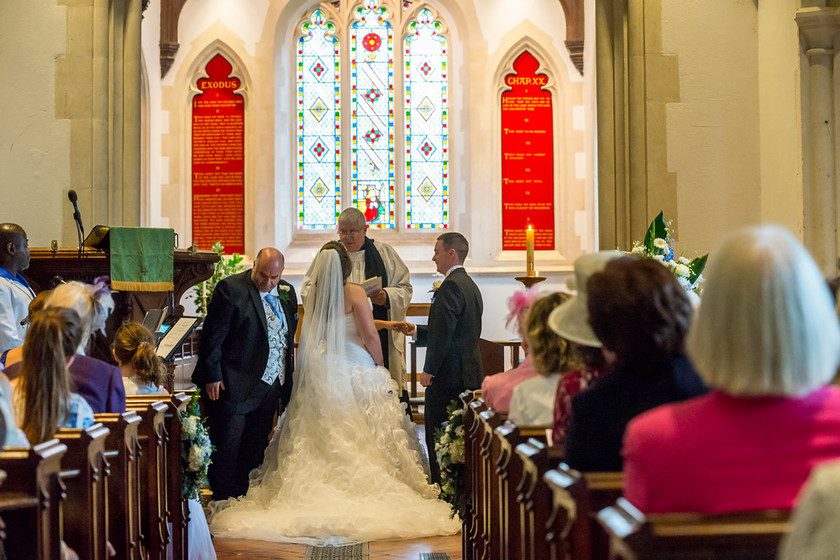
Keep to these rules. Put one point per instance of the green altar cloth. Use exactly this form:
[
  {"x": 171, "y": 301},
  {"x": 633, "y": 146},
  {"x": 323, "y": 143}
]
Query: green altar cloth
[{"x": 142, "y": 259}]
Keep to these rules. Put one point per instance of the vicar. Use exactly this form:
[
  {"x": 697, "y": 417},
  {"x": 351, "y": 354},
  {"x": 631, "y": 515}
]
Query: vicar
[
  {"x": 453, "y": 357},
  {"x": 245, "y": 366},
  {"x": 374, "y": 258}
]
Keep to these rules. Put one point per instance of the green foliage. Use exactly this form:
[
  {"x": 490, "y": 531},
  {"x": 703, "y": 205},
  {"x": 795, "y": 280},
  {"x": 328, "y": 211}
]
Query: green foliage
[
  {"x": 449, "y": 449},
  {"x": 227, "y": 265}
]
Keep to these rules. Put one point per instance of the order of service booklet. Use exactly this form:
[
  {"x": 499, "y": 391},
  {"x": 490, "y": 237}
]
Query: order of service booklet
[{"x": 372, "y": 285}]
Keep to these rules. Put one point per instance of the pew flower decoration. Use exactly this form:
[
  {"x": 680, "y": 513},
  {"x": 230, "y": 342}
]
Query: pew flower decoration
[
  {"x": 195, "y": 448},
  {"x": 449, "y": 449},
  {"x": 657, "y": 245}
]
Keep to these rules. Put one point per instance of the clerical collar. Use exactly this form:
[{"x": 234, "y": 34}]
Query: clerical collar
[{"x": 456, "y": 267}]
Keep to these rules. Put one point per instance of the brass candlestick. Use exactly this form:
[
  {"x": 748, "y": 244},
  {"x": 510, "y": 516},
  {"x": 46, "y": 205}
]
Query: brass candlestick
[{"x": 530, "y": 280}]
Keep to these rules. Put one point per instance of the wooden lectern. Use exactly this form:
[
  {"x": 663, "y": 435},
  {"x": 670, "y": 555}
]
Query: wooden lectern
[{"x": 47, "y": 267}]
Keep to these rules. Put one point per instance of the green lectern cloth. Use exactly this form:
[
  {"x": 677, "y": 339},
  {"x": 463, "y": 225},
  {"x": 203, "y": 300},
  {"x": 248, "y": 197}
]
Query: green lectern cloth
[{"x": 142, "y": 259}]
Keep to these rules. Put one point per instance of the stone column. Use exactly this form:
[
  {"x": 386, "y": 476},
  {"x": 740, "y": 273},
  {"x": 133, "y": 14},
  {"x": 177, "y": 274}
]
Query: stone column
[{"x": 818, "y": 28}]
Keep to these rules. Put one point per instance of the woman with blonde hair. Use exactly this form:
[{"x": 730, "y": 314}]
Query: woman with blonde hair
[
  {"x": 42, "y": 394},
  {"x": 767, "y": 340},
  {"x": 532, "y": 403},
  {"x": 142, "y": 369}
]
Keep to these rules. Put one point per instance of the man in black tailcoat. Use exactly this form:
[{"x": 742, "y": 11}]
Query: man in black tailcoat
[
  {"x": 453, "y": 358},
  {"x": 245, "y": 367}
]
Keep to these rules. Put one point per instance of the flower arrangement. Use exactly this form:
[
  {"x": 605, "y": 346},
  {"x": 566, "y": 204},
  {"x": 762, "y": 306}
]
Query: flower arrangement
[
  {"x": 227, "y": 265},
  {"x": 657, "y": 246},
  {"x": 449, "y": 449},
  {"x": 195, "y": 448}
]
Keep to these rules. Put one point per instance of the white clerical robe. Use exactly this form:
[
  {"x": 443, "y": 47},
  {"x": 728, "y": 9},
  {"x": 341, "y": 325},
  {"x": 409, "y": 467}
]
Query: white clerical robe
[
  {"x": 399, "y": 292},
  {"x": 14, "y": 308}
]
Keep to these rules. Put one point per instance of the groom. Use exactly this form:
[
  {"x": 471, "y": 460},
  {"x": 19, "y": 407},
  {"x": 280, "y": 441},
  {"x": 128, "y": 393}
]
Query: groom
[
  {"x": 245, "y": 366},
  {"x": 453, "y": 359}
]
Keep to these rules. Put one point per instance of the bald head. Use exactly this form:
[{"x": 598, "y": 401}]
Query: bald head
[
  {"x": 14, "y": 248},
  {"x": 268, "y": 267}
]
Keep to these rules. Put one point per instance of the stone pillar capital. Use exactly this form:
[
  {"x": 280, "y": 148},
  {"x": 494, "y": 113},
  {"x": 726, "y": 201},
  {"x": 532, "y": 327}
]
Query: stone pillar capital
[{"x": 818, "y": 28}]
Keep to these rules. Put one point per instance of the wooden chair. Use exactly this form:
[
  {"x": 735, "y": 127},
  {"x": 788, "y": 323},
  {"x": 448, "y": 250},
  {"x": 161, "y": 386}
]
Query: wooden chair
[
  {"x": 573, "y": 530},
  {"x": 732, "y": 536},
  {"x": 534, "y": 499},
  {"x": 30, "y": 500},
  {"x": 122, "y": 450},
  {"x": 84, "y": 474},
  {"x": 154, "y": 514}
]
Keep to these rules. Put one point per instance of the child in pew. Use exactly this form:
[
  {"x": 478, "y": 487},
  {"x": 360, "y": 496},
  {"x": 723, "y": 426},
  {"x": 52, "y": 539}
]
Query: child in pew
[
  {"x": 497, "y": 389},
  {"x": 42, "y": 397},
  {"x": 134, "y": 350},
  {"x": 144, "y": 371},
  {"x": 767, "y": 340},
  {"x": 532, "y": 403}
]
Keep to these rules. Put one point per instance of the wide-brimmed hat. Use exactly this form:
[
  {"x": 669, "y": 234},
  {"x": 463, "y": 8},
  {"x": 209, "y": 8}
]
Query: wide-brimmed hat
[{"x": 571, "y": 319}]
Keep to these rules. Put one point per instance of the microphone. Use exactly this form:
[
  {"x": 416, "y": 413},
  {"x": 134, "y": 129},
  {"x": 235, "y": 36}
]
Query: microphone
[{"x": 76, "y": 214}]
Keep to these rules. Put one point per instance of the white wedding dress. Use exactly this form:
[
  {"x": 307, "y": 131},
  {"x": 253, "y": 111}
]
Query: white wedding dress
[{"x": 345, "y": 463}]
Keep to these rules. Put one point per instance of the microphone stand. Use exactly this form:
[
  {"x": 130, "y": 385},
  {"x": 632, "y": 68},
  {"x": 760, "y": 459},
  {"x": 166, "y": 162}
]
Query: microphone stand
[{"x": 79, "y": 230}]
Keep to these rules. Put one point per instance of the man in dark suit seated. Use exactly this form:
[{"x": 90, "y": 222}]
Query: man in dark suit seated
[
  {"x": 245, "y": 366},
  {"x": 453, "y": 358}
]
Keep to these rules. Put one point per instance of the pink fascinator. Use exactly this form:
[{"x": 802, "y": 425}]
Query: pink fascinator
[{"x": 518, "y": 305}]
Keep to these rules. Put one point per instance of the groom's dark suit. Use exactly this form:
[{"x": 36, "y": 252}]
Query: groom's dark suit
[
  {"x": 234, "y": 349},
  {"x": 452, "y": 354}
]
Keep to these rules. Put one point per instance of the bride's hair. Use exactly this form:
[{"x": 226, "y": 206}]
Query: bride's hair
[{"x": 343, "y": 257}]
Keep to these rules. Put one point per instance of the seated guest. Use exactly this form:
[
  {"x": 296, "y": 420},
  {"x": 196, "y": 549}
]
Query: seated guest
[
  {"x": 497, "y": 389},
  {"x": 571, "y": 321},
  {"x": 42, "y": 396},
  {"x": 640, "y": 313},
  {"x": 532, "y": 403},
  {"x": 16, "y": 354},
  {"x": 142, "y": 369},
  {"x": 12, "y": 435},
  {"x": 813, "y": 534},
  {"x": 767, "y": 340},
  {"x": 100, "y": 383}
]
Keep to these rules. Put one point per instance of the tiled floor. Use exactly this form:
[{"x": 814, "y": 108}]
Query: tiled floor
[{"x": 379, "y": 550}]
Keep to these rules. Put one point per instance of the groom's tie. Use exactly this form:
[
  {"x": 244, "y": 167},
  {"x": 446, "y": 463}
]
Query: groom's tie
[{"x": 273, "y": 303}]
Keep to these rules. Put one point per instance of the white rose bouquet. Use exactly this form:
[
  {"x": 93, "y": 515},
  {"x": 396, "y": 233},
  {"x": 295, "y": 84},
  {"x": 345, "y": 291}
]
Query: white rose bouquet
[
  {"x": 657, "y": 246},
  {"x": 449, "y": 449},
  {"x": 195, "y": 448}
]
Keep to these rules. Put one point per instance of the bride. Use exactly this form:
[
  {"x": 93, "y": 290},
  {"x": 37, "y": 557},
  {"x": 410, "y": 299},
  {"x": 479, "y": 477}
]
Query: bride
[{"x": 345, "y": 463}]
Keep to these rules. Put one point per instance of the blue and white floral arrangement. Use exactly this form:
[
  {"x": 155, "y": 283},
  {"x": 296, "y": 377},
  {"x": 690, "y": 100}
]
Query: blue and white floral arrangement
[
  {"x": 657, "y": 245},
  {"x": 449, "y": 449},
  {"x": 195, "y": 449}
]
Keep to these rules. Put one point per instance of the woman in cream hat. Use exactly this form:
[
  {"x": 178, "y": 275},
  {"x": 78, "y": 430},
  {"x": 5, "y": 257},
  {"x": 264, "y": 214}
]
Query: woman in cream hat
[{"x": 571, "y": 322}]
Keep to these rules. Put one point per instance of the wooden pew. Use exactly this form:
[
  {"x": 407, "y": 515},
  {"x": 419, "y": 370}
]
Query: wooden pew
[
  {"x": 123, "y": 454},
  {"x": 84, "y": 474},
  {"x": 154, "y": 522},
  {"x": 510, "y": 480},
  {"x": 472, "y": 483},
  {"x": 31, "y": 498},
  {"x": 731, "y": 536},
  {"x": 176, "y": 505},
  {"x": 489, "y": 450},
  {"x": 467, "y": 397},
  {"x": 535, "y": 498},
  {"x": 573, "y": 529}
]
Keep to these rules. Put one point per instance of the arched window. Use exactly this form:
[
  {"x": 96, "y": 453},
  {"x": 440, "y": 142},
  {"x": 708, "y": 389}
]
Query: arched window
[{"x": 393, "y": 97}]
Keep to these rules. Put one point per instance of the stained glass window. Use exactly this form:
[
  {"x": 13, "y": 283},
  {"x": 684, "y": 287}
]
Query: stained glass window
[
  {"x": 372, "y": 101},
  {"x": 413, "y": 197},
  {"x": 426, "y": 138},
  {"x": 319, "y": 125}
]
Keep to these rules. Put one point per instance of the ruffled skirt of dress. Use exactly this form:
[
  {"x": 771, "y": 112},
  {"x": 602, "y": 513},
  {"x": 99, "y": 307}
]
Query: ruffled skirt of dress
[{"x": 344, "y": 465}]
